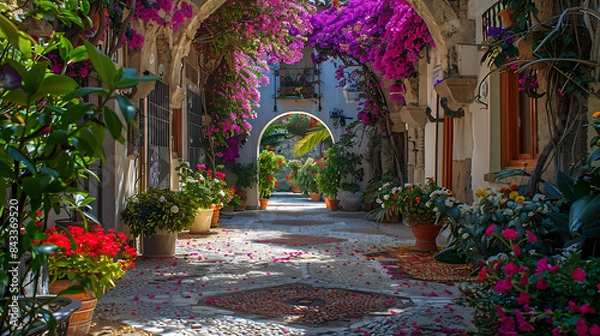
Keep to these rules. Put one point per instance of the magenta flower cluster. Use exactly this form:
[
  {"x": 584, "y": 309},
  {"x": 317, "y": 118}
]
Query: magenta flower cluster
[
  {"x": 388, "y": 34},
  {"x": 253, "y": 34},
  {"x": 534, "y": 294}
]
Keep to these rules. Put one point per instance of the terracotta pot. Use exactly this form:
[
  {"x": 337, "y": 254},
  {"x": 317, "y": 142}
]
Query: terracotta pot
[
  {"x": 202, "y": 222},
  {"x": 315, "y": 197},
  {"x": 214, "y": 222},
  {"x": 241, "y": 206},
  {"x": 334, "y": 204},
  {"x": 159, "y": 245},
  {"x": 425, "y": 234},
  {"x": 263, "y": 203},
  {"x": 295, "y": 189},
  {"x": 80, "y": 320},
  {"x": 328, "y": 202}
]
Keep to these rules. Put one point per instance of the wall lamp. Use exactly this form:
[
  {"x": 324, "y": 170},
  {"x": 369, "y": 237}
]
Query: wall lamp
[{"x": 337, "y": 117}]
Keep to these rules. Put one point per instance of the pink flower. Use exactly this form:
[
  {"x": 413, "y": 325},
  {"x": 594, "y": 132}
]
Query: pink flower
[
  {"x": 511, "y": 268},
  {"x": 532, "y": 238},
  {"x": 523, "y": 298},
  {"x": 542, "y": 266},
  {"x": 504, "y": 285},
  {"x": 573, "y": 308},
  {"x": 541, "y": 284},
  {"x": 510, "y": 234},
  {"x": 594, "y": 330},
  {"x": 490, "y": 230},
  {"x": 578, "y": 275},
  {"x": 581, "y": 327},
  {"x": 587, "y": 309},
  {"x": 516, "y": 250}
]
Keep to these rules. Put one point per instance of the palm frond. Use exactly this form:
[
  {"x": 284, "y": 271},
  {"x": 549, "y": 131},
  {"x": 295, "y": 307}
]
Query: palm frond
[{"x": 310, "y": 140}]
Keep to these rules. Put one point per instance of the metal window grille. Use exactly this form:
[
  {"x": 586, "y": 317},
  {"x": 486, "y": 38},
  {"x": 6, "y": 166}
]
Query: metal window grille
[
  {"x": 194, "y": 127},
  {"x": 158, "y": 133}
]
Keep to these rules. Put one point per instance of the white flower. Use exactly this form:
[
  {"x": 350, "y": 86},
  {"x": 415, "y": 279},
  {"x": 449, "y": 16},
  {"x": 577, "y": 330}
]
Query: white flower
[
  {"x": 407, "y": 185},
  {"x": 174, "y": 209},
  {"x": 216, "y": 180},
  {"x": 386, "y": 197},
  {"x": 221, "y": 193},
  {"x": 378, "y": 200},
  {"x": 162, "y": 199}
]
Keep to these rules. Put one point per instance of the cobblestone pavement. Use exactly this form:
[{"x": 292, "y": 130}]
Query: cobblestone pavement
[{"x": 256, "y": 251}]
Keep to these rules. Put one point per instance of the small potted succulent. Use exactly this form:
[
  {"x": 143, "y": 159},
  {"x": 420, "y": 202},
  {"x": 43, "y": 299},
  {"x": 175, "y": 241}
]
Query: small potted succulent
[{"x": 157, "y": 215}]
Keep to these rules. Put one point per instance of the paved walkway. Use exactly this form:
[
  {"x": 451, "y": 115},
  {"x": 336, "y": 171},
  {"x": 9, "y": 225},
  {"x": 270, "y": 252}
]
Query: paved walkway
[{"x": 294, "y": 245}]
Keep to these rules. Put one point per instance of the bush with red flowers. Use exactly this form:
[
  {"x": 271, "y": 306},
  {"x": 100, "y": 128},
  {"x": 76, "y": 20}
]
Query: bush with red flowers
[{"x": 94, "y": 257}]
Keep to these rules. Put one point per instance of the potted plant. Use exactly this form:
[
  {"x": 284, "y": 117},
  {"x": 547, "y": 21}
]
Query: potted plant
[
  {"x": 306, "y": 180},
  {"x": 292, "y": 177},
  {"x": 157, "y": 215},
  {"x": 246, "y": 178},
  {"x": 220, "y": 193},
  {"x": 420, "y": 209},
  {"x": 92, "y": 259},
  {"x": 196, "y": 187},
  {"x": 337, "y": 163},
  {"x": 269, "y": 164}
]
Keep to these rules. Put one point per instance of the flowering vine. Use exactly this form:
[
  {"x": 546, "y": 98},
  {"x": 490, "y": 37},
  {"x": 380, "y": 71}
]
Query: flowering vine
[
  {"x": 246, "y": 36},
  {"x": 388, "y": 35}
]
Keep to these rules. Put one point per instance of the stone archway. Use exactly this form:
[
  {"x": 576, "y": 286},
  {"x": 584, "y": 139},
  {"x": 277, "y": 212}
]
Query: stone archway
[{"x": 281, "y": 116}]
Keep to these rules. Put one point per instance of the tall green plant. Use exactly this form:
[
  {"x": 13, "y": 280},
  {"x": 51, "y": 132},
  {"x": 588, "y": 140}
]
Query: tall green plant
[
  {"x": 51, "y": 133},
  {"x": 269, "y": 164}
]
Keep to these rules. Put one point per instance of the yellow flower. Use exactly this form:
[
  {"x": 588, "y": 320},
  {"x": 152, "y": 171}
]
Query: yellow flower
[
  {"x": 502, "y": 201},
  {"x": 520, "y": 200},
  {"x": 513, "y": 195},
  {"x": 480, "y": 192},
  {"x": 596, "y": 114}
]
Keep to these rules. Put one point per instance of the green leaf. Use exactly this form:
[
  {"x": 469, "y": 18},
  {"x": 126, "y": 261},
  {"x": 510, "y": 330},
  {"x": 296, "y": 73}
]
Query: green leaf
[
  {"x": 32, "y": 79},
  {"x": 113, "y": 123},
  {"x": 102, "y": 64},
  {"x": 552, "y": 190},
  {"x": 17, "y": 155},
  {"x": 126, "y": 106},
  {"x": 595, "y": 156},
  {"x": 78, "y": 54},
  {"x": 82, "y": 92},
  {"x": 130, "y": 78},
  {"x": 560, "y": 221},
  {"x": 17, "y": 97},
  {"x": 19, "y": 39},
  {"x": 510, "y": 172},
  {"x": 450, "y": 256},
  {"x": 584, "y": 214},
  {"x": 75, "y": 113},
  {"x": 57, "y": 85},
  {"x": 565, "y": 184}
]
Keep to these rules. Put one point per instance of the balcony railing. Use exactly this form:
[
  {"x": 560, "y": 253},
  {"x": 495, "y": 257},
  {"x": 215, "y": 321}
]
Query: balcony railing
[
  {"x": 297, "y": 83},
  {"x": 490, "y": 19}
]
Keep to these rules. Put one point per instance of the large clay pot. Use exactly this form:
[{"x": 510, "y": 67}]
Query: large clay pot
[
  {"x": 202, "y": 222},
  {"x": 214, "y": 222},
  {"x": 315, "y": 197},
  {"x": 80, "y": 321},
  {"x": 425, "y": 235},
  {"x": 334, "y": 204},
  {"x": 159, "y": 245},
  {"x": 263, "y": 203}
]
